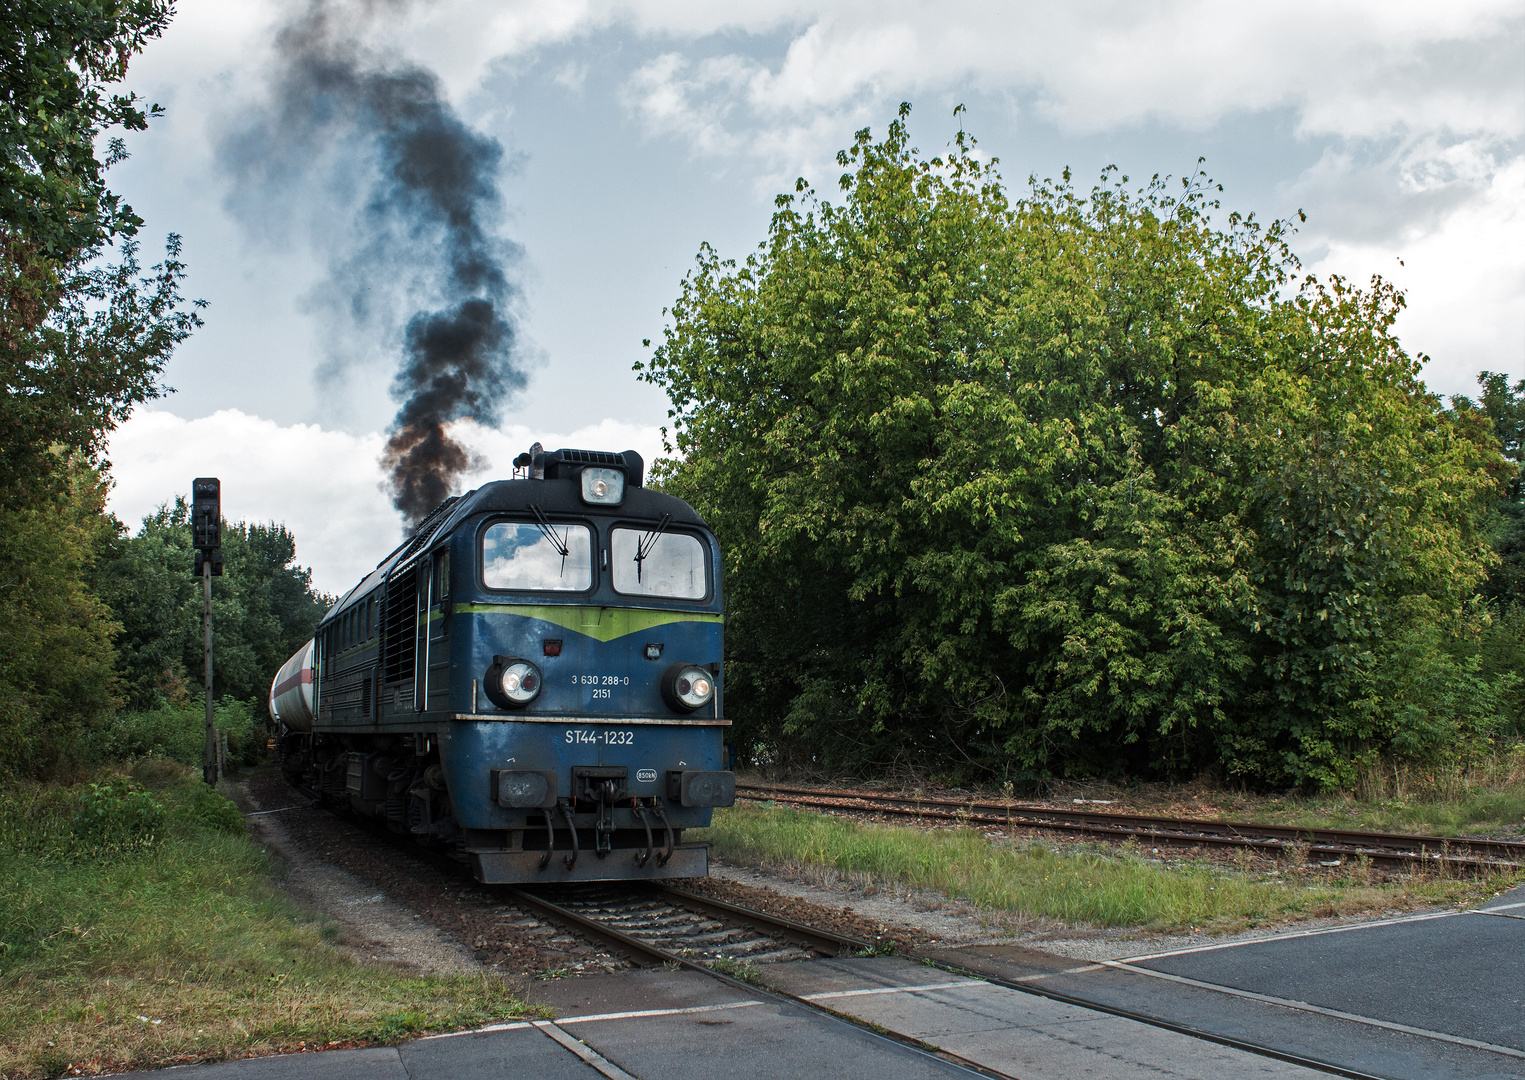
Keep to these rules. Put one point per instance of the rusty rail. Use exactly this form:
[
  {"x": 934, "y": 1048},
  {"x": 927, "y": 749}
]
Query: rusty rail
[{"x": 1323, "y": 845}]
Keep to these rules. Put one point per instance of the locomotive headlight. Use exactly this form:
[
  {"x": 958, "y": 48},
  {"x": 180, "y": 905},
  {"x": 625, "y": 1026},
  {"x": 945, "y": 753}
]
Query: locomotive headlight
[
  {"x": 687, "y": 687},
  {"x": 605, "y": 487},
  {"x": 520, "y": 681},
  {"x": 512, "y": 682}
]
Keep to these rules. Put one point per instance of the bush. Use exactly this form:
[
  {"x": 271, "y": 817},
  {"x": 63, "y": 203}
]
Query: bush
[
  {"x": 178, "y": 732},
  {"x": 116, "y": 816},
  {"x": 205, "y": 806},
  {"x": 109, "y": 817}
]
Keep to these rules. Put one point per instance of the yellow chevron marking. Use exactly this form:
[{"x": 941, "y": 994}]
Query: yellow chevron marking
[{"x": 599, "y": 623}]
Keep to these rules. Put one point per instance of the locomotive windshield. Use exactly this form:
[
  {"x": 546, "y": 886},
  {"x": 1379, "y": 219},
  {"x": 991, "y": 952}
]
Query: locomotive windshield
[
  {"x": 658, "y": 564},
  {"x": 522, "y": 556}
]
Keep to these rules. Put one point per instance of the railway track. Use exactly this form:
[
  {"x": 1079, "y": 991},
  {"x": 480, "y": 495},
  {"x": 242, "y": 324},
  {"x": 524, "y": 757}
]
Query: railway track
[
  {"x": 658, "y": 924},
  {"x": 671, "y": 927},
  {"x": 1323, "y": 846},
  {"x": 661, "y": 922}
]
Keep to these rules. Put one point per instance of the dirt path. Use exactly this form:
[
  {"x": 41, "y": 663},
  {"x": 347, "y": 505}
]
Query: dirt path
[{"x": 374, "y": 927}]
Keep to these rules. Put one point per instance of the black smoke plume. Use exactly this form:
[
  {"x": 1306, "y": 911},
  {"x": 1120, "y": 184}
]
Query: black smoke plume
[{"x": 403, "y": 196}]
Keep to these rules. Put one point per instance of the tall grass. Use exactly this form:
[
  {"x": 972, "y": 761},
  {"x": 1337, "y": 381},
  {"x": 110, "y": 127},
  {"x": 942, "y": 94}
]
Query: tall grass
[
  {"x": 167, "y": 943},
  {"x": 177, "y": 732},
  {"x": 1485, "y": 795},
  {"x": 1099, "y": 888}
]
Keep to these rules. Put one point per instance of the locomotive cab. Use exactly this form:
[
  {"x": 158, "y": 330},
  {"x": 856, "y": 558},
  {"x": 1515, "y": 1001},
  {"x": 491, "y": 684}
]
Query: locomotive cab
[{"x": 535, "y": 680}]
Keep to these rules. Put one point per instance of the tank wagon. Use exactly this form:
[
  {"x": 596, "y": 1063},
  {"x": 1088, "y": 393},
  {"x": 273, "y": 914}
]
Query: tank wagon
[{"x": 532, "y": 681}]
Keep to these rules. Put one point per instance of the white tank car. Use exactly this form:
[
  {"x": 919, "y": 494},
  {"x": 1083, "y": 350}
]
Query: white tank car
[{"x": 292, "y": 695}]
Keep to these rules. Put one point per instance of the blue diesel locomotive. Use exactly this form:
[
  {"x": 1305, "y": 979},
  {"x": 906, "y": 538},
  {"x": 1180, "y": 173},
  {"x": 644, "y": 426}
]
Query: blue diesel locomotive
[{"x": 533, "y": 681}]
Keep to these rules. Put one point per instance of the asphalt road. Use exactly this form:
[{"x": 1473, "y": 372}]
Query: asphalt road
[
  {"x": 1463, "y": 975},
  {"x": 1432, "y": 997},
  {"x": 1422, "y": 998},
  {"x": 674, "y": 1025}
]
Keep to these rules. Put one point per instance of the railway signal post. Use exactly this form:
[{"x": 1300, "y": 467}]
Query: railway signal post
[{"x": 206, "y": 538}]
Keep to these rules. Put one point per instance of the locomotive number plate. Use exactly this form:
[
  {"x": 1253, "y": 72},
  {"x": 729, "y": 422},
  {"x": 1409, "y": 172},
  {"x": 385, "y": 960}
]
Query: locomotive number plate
[
  {"x": 601, "y": 686},
  {"x": 600, "y": 737}
]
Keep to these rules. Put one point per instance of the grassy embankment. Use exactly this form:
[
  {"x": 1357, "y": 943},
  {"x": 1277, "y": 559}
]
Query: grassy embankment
[
  {"x": 1085, "y": 885},
  {"x": 1485, "y": 798},
  {"x": 139, "y": 927},
  {"x": 1450, "y": 802}
]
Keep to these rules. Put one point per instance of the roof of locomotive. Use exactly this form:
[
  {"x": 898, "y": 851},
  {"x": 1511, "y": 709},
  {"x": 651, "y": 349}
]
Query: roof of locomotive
[
  {"x": 564, "y": 496},
  {"x": 557, "y": 497}
]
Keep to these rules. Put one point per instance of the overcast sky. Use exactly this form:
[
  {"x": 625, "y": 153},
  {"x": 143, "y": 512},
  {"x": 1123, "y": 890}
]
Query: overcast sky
[{"x": 632, "y": 133}]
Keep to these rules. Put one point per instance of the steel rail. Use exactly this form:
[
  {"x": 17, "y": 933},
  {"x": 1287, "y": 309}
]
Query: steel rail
[
  {"x": 1078, "y": 1001},
  {"x": 635, "y": 947},
  {"x": 1393, "y": 848}
]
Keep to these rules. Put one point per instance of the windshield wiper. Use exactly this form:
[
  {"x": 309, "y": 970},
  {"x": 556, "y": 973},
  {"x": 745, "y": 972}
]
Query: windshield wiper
[
  {"x": 557, "y": 542},
  {"x": 644, "y": 545}
]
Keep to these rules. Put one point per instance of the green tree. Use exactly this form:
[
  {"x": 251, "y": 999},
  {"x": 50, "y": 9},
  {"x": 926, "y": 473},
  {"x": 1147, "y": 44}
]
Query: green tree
[
  {"x": 263, "y": 608},
  {"x": 1502, "y": 407},
  {"x": 57, "y": 680},
  {"x": 80, "y": 341},
  {"x": 1071, "y": 483}
]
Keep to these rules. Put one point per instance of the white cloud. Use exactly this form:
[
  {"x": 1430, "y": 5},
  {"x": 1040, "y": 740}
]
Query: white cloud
[
  {"x": 1350, "y": 68},
  {"x": 1415, "y": 104},
  {"x": 325, "y": 486},
  {"x": 1465, "y": 279},
  {"x": 1353, "y": 68}
]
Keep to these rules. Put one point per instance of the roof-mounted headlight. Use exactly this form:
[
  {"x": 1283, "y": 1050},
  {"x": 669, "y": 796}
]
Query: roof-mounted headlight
[{"x": 603, "y": 487}]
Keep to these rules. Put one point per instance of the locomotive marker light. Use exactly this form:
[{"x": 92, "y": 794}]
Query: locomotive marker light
[
  {"x": 523, "y": 789},
  {"x": 693, "y": 787},
  {"x": 206, "y": 537}
]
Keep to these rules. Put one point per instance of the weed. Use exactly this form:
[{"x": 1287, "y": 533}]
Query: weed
[
  {"x": 1092, "y": 886},
  {"x": 1294, "y": 858},
  {"x": 1244, "y": 859},
  {"x": 736, "y": 969}
]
